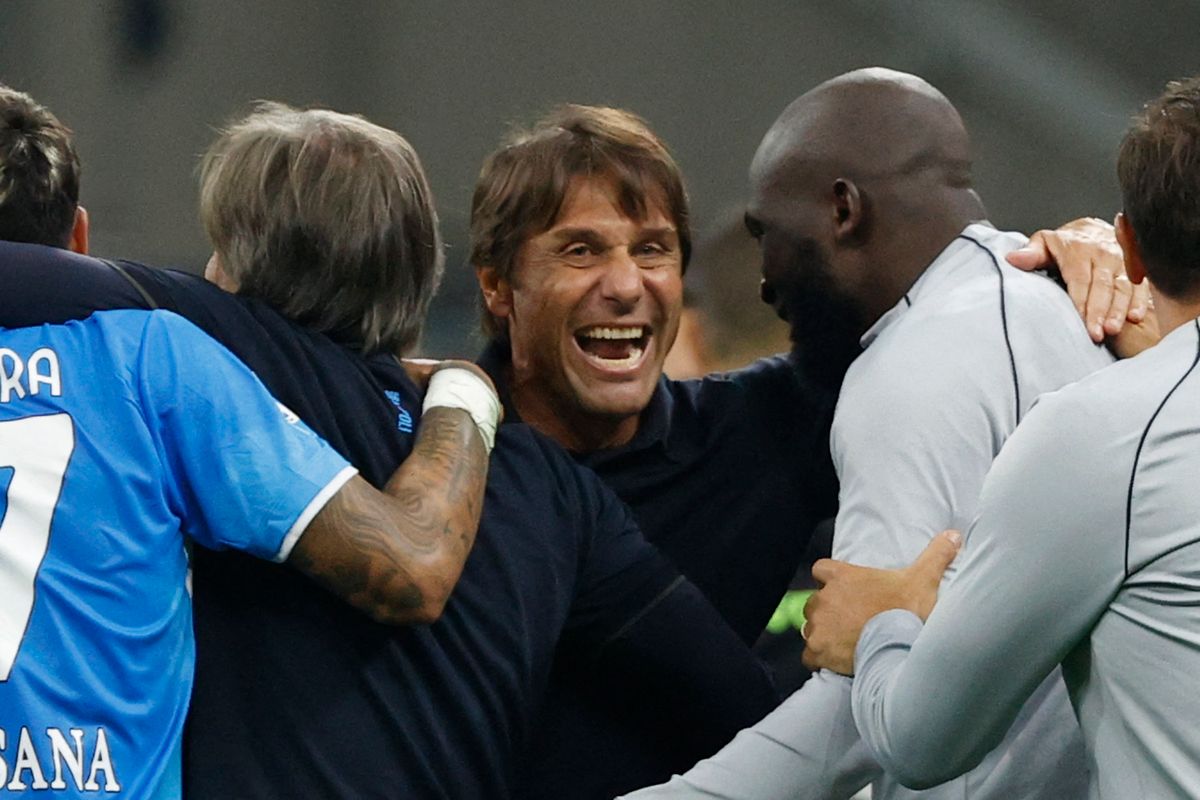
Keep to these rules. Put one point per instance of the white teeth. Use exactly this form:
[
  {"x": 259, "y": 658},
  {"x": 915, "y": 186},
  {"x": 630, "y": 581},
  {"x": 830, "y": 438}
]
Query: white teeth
[
  {"x": 635, "y": 355},
  {"x": 613, "y": 333}
]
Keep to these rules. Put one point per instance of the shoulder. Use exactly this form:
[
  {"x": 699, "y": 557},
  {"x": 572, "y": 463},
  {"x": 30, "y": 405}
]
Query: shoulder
[
  {"x": 1125, "y": 395},
  {"x": 136, "y": 329},
  {"x": 771, "y": 389},
  {"x": 1101, "y": 419},
  {"x": 773, "y": 373},
  {"x": 528, "y": 464},
  {"x": 167, "y": 326},
  {"x": 524, "y": 454}
]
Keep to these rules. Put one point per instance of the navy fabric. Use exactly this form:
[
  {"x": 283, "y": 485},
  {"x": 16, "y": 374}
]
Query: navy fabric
[
  {"x": 297, "y": 695},
  {"x": 727, "y": 476}
]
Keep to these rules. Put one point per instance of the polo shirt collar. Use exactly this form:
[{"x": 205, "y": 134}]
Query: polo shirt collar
[
  {"x": 653, "y": 428},
  {"x": 930, "y": 280},
  {"x": 494, "y": 360}
]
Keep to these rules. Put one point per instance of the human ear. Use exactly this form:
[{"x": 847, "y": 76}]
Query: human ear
[
  {"x": 497, "y": 291},
  {"x": 848, "y": 210},
  {"x": 214, "y": 272},
  {"x": 1135, "y": 266},
  {"x": 78, "y": 242}
]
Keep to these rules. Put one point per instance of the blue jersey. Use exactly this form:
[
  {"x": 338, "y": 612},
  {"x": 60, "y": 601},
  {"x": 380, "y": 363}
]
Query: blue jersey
[{"x": 119, "y": 435}]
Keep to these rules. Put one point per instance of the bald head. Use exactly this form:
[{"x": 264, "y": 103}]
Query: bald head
[
  {"x": 856, "y": 188},
  {"x": 868, "y": 125}
]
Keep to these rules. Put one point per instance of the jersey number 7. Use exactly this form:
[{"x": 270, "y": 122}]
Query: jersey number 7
[{"x": 37, "y": 449}]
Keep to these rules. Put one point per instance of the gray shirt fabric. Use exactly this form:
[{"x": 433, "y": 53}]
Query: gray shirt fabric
[
  {"x": 1086, "y": 552},
  {"x": 945, "y": 377}
]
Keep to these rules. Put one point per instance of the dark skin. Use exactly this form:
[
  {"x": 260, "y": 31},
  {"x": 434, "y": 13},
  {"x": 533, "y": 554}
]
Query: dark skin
[
  {"x": 874, "y": 168},
  {"x": 397, "y": 554}
]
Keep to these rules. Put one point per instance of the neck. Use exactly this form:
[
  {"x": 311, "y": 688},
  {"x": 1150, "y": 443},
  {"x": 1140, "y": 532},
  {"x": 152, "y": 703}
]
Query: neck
[
  {"x": 1174, "y": 313},
  {"x": 904, "y": 257},
  {"x": 574, "y": 429}
]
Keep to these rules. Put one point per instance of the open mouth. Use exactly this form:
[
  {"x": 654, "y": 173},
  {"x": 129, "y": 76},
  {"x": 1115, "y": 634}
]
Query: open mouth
[{"x": 614, "y": 347}]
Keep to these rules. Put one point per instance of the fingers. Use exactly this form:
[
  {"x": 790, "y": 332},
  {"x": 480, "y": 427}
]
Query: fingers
[
  {"x": 1140, "y": 303},
  {"x": 937, "y": 556},
  {"x": 809, "y": 660},
  {"x": 1091, "y": 264},
  {"x": 824, "y": 571},
  {"x": 1118, "y": 310},
  {"x": 1099, "y": 300}
]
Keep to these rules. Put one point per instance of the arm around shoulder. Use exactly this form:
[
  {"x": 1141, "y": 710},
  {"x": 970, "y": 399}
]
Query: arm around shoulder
[
  {"x": 931, "y": 702},
  {"x": 397, "y": 554}
]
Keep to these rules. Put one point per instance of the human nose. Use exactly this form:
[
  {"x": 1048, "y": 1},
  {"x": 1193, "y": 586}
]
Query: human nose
[{"x": 623, "y": 281}]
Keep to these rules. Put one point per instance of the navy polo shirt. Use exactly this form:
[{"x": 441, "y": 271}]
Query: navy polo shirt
[
  {"x": 298, "y": 695},
  {"x": 728, "y": 476}
]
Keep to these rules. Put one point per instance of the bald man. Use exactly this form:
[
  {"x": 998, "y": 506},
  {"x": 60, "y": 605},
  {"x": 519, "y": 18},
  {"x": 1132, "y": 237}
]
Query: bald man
[{"x": 950, "y": 347}]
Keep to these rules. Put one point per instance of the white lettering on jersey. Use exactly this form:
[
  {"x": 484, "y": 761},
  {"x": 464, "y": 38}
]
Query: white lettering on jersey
[
  {"x": 48, "y": 375},
  {"x": 11, "y": 369},
  {"x": 63, "y": 752},
  {"x": 42, "y": 372},
  {"x": 67, "y": 757},
  {"x": 102, "y": 762},
  {"x": 27, "y": 762}
]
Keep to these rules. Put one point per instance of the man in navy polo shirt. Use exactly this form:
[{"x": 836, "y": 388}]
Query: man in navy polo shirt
[
  {"x": 728, "y": 475},
  {"x": 295, "y": 698}
]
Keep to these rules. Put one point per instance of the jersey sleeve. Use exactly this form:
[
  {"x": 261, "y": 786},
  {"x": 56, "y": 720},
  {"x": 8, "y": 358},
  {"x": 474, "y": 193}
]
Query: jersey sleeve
[
  {"x": 806, "y": 749},
  {"x": 244, "y": 472},
  {"x": 1041, "y": 563}
]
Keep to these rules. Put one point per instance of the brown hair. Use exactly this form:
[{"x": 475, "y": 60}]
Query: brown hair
[
  {"x": 522, "y": 186},
  {"x": 39, "y": 173},
  {"x": 1159, "y": 170},
  {"x": 327, "y": 217}
]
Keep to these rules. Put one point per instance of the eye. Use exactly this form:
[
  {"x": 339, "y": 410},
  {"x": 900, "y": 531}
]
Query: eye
[
  {"x": 578, "y": 249},
  {"x": 651, "y": 249},
  {"x": 754, "y": 227}
]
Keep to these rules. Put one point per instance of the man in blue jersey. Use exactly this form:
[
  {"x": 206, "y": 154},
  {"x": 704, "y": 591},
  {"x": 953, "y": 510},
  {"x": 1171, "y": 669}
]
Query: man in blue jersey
[
  {"x": 122, "y": 432},
  {"x": 294, "y": 696}
]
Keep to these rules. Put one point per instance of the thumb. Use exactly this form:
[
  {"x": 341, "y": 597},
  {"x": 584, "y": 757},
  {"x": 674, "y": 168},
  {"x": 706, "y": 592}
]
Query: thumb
[
  {"x": 1034, "y": 255},
  {"x": 937, "y": 556}
]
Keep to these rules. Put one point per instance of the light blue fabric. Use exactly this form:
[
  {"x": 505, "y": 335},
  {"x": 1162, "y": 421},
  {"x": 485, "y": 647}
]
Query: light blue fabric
[{"x": 122, "y": 432}]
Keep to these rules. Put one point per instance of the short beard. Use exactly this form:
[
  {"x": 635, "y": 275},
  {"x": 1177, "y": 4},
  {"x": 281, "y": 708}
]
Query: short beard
[{"x": 826, "y": 322}]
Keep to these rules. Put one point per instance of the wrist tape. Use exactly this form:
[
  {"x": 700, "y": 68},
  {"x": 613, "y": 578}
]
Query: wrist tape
[{"x": 454, "y": 387}]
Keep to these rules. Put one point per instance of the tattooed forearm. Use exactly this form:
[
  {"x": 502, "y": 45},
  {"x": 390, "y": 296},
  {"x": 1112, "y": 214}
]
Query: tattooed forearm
[{"x": 397, "y": 555}]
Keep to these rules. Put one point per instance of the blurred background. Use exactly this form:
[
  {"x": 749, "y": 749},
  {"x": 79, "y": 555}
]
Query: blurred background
[{"x": 1045, "y": 87}]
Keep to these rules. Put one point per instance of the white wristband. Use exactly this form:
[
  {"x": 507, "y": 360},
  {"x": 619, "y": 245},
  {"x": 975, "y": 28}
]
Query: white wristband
[{"x": 455, "y": 387}]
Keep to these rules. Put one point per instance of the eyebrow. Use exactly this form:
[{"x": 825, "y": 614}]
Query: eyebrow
[
  {"x": 659, "y": 233},
  {"x": 590, "y": 235},
  {"x": 582, "y": 234}
]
